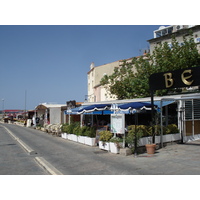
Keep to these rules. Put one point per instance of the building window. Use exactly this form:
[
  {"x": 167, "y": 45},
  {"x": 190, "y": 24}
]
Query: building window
[
  {"x": 163, "y": 32},
  {"x": 192, "y": 109}
]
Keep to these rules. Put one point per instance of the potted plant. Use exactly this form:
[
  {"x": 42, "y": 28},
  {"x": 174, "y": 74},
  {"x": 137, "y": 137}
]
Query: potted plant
[
  {"x": 150, "y": 148},
  {"x": 115, "y": 144},
  {"x": 104, "y": 138},
  {"x": 64, "y": 131},
  {"x": 81, "y": 134},
  {"x": 154, "y": 129},
  {"x": 70, "y": 129},
  {"x": 90, "y": 133},
  {"x": 75, "y": 126},
  {"x": 133, "y": 137}
]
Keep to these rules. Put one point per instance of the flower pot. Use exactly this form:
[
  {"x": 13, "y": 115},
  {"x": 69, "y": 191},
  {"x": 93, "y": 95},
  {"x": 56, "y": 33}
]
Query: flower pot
[{"x": 150, "y": 148}]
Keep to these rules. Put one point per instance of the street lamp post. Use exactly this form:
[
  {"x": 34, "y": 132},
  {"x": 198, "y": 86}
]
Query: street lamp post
[{"x": 3, "y": 113}]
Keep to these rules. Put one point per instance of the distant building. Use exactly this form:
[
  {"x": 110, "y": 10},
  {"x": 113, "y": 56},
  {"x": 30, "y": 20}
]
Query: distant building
[
  {"x": 164, "y": 34},
  {"x": 51, "y": 113},
  {"x": 97, "y": 92},
  {"x": 10, "y": 113}
]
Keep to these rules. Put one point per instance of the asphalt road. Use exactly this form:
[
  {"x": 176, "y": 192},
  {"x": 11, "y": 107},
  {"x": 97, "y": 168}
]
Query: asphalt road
[
  {"x": 71, "y": 158},
  {"x": 14, "y": 160}
]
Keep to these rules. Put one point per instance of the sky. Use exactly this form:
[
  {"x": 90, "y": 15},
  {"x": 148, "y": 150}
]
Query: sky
[{"x": 49, "y": 63}]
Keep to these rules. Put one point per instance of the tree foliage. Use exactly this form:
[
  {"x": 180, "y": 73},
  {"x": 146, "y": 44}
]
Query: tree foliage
[{"x": 127, "y": 83}]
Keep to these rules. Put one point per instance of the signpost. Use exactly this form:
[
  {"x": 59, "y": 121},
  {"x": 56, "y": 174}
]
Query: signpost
[{"x": 117, "y": 123}]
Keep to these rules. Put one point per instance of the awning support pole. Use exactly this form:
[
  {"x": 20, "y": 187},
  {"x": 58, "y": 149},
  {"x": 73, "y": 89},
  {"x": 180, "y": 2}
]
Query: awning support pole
[
  {"x": 152, "y": 116},
  {"x": 161, "y": 123}
]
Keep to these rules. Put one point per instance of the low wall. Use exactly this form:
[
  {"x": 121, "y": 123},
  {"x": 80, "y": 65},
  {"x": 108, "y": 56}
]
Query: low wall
[{"x": 166, "y": 138}]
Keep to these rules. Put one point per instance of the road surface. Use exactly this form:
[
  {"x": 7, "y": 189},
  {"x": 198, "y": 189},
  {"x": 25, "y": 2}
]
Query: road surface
[{"x": 71, "y": 158}]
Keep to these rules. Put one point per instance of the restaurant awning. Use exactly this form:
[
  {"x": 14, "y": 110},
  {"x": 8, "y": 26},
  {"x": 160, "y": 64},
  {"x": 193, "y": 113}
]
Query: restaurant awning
[
  {"x": 73, "y": 111},
  {"x": 106, "y": 109},
  {"x": 135, "y": 106},
  {"x": 102, "y": 112},
  {"x": 95, "y": 107}
]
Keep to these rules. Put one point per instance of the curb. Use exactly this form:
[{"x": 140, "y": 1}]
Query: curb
[{"x": 47, "y": 166}]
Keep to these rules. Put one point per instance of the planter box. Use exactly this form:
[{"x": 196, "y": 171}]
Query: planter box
[
  {"x": 81, "y": 139},
  {"x": 114, "y": 148},
  {"x": 74, "y": 138},
  {"x": 90, "y": 141},
  {"x": 64, "y": 135},
  {"x": 104, "y": 145},
  {"x": 69, "y": 136},
  {"x": 166, "y": 138}
]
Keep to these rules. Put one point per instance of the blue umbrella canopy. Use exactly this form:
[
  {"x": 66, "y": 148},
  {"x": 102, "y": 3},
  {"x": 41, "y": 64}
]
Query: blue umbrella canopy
[
  {"x": 135, "y": 106},
  {"x": 95, "y": 107}
]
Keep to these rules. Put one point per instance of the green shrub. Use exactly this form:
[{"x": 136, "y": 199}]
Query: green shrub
[
  {"x": 116, "y": 140},
  {"x": 82, "y": 130},
  {"x": 64, "y": 128},
  {"x": 70, "y": 128},
  {"x": 77, "y": 130},
  {"x": 172, "y": 128},
  {"x": 75, "y": 127},
  {"x": 105, "y": 136},
  {"x": 157, "y": 129},
  {"x": 90, "y": 132},
  {"x": 143, "y": 129},
  {"x": 132, "y": 135}
]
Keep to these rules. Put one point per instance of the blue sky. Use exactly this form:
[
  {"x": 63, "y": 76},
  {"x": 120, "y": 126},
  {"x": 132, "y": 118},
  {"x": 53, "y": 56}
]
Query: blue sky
[{"x": 51, "y": 63}]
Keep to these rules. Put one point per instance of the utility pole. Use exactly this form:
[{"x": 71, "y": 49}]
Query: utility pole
[
  {"x": 3, "y": 108},
  {"x": 25, "y": 105}
]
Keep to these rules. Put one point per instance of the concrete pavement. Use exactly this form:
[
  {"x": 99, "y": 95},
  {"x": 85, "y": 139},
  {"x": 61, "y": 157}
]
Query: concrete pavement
[{"x": 174, "y": 159}]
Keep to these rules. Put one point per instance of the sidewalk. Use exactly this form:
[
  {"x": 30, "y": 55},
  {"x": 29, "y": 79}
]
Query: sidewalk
[{"x": 175, "y": 159}]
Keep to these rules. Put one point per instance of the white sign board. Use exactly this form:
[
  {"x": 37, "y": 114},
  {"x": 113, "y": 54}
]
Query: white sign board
[{"x": 117, "y": 123}]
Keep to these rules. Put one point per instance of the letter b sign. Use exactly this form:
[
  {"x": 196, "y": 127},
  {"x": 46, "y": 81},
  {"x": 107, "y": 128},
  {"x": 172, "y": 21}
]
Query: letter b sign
[{"x": 169, "y": 81}]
